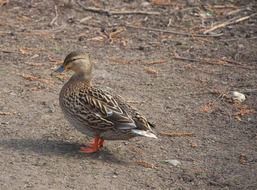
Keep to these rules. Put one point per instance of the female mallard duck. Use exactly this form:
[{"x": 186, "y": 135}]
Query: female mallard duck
[{"x": 94, "y": 111}]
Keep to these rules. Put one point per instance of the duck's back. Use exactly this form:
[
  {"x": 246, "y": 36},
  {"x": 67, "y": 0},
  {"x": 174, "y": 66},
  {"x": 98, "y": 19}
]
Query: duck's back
[{"x": 94, "y": 111}]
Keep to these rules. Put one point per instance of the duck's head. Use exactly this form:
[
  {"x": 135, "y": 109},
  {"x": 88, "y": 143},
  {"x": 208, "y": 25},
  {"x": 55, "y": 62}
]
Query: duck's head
[{"x": 77, "y": 61}]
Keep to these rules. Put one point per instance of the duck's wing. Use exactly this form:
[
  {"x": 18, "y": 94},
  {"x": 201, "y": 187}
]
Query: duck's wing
[
  {"x": 105, "y": 111},
  {"x": 141, "y": 122}
]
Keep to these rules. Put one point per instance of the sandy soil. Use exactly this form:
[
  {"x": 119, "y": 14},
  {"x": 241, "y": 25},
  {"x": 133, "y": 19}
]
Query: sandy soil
[{"x": 180, "y": 82}]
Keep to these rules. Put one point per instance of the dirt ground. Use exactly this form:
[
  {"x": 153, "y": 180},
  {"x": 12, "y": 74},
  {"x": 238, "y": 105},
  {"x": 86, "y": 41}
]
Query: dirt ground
[{"x": 163, "y": 61}]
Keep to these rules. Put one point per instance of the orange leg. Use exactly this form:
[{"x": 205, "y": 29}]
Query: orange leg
[
  {"x": 101, "y": 143},
  {"x": 93, "y": 147}
]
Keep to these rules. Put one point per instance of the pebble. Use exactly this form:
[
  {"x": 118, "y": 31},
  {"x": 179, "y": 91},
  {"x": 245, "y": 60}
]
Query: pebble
[
  {"x": 237, "y": 96},
  {"x": 173, "y": 162},
  {"x": 145, "y": 4}
]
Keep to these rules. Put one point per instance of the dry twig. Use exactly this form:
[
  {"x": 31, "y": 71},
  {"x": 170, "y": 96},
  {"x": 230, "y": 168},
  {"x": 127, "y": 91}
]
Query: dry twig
[
  {"x": 234, "y": 12},
  {"x": 135, "y": 102},
  {"x": 45, "y": 32},
  {"x": 227, "y": 6},
  {"x": 109, "y": 13},
  {"x": 145, "y": 164},
  {"x": 7, "y": 113},
  {"x": 173, "y": 32},
  {"x": 207, "y": 108},
  {"x": 35, "y": 64},
  {"x": 54, "y": 21},
  {"x": 111, "y": 35},
  {"x": 151, "y": 70},
  {"x": 36, "y": 78},
  {"x": 24, "y": 51},
  {"x": 161, "y": 2},
  {"x": 176, "y": 134},
  {"x": 136, "y": 61},
  {"x": 156, "y": 62},
  {"x": 212, "y": 62},
  {"x": 55, "y": 61},
  {"x": 229, "y": 22},
  {"x": 7, "y": 51}
]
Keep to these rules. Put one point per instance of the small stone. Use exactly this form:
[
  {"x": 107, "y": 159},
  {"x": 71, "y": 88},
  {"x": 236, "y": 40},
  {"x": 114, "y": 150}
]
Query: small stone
[
  {"x": 237, "y": 96},
  {"x": 44, "y": 103},
  {"x": 193, "y": 145},
  {"x": 145, "y": 4},
  {"x": 34, "y": 56},
  {"x": 173, "y": 162},
  {"x": 241, "y": 46},
  {"x": 51, "y": 108},
  {"x": 13, "y": 94}
]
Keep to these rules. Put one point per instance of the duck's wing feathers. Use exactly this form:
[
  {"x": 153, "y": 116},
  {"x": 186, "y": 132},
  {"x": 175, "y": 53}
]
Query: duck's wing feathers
[
  {"x": 141, "y": 122},
  {"x": 106, "y": 110}
]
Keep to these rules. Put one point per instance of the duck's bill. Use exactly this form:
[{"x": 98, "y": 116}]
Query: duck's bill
[{"x": 60, "y": 69}]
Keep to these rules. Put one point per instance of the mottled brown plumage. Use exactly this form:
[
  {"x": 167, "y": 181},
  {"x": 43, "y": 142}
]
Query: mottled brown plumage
[{"x": 97, "y": 112}]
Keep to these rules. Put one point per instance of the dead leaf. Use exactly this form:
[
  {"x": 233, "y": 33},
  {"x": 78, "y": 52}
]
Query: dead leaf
[
  {"x": 219, "y": 62},
  {"x": 35, "y": 64},
  {"x": 55, "y": 60},
  {"x": 242, "y": 159},
  {"x": 97, "y": 38},
  {"x": 238, "y": 118},
  {"x": 177, "y": 134},
  {"x": 116, "y": 32},
  {"x": 151, "y": 70},
  {"x": 36, "y": 78},
  {"x": 193, "y": 145},
  {"x": 161, "y": 2},
  {"x": 136, "y": 150},
  {"x": 24, "y": 51},
  {"x": 29, "y": 77},
  {"x": 124, "y": 42},
  {"x": 114, "y": 35},
  {"x": 145, "y": 164},
  {"x": 243, "y": 110},
  {"x": 62, "y": 77},
  {"x": 23, "y": 18},
  {"x": 207, "y": 108}
]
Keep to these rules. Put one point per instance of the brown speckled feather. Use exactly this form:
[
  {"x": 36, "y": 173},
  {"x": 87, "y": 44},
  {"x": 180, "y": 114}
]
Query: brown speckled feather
[{"x": 97, "y": 112}]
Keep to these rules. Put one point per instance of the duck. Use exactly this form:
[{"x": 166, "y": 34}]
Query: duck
[{"x": 95, "y": 111}]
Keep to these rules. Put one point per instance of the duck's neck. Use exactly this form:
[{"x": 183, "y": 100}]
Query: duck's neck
[{"x": 82, "y": 77}]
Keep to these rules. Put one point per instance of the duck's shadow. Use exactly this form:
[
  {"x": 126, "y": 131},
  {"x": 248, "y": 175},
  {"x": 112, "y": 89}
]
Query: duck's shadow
[{"x": 57, "y": 147}]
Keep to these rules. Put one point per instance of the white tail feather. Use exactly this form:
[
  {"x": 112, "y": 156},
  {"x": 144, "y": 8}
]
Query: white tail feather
[{"x": 144, "y": 133}]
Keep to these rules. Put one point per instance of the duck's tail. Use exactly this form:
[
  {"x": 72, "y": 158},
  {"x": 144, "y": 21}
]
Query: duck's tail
[{"x": 144, "y": 133}]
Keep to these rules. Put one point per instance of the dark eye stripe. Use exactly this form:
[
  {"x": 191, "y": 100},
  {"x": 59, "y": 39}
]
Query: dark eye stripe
[{"x": 66, "y": 62}]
